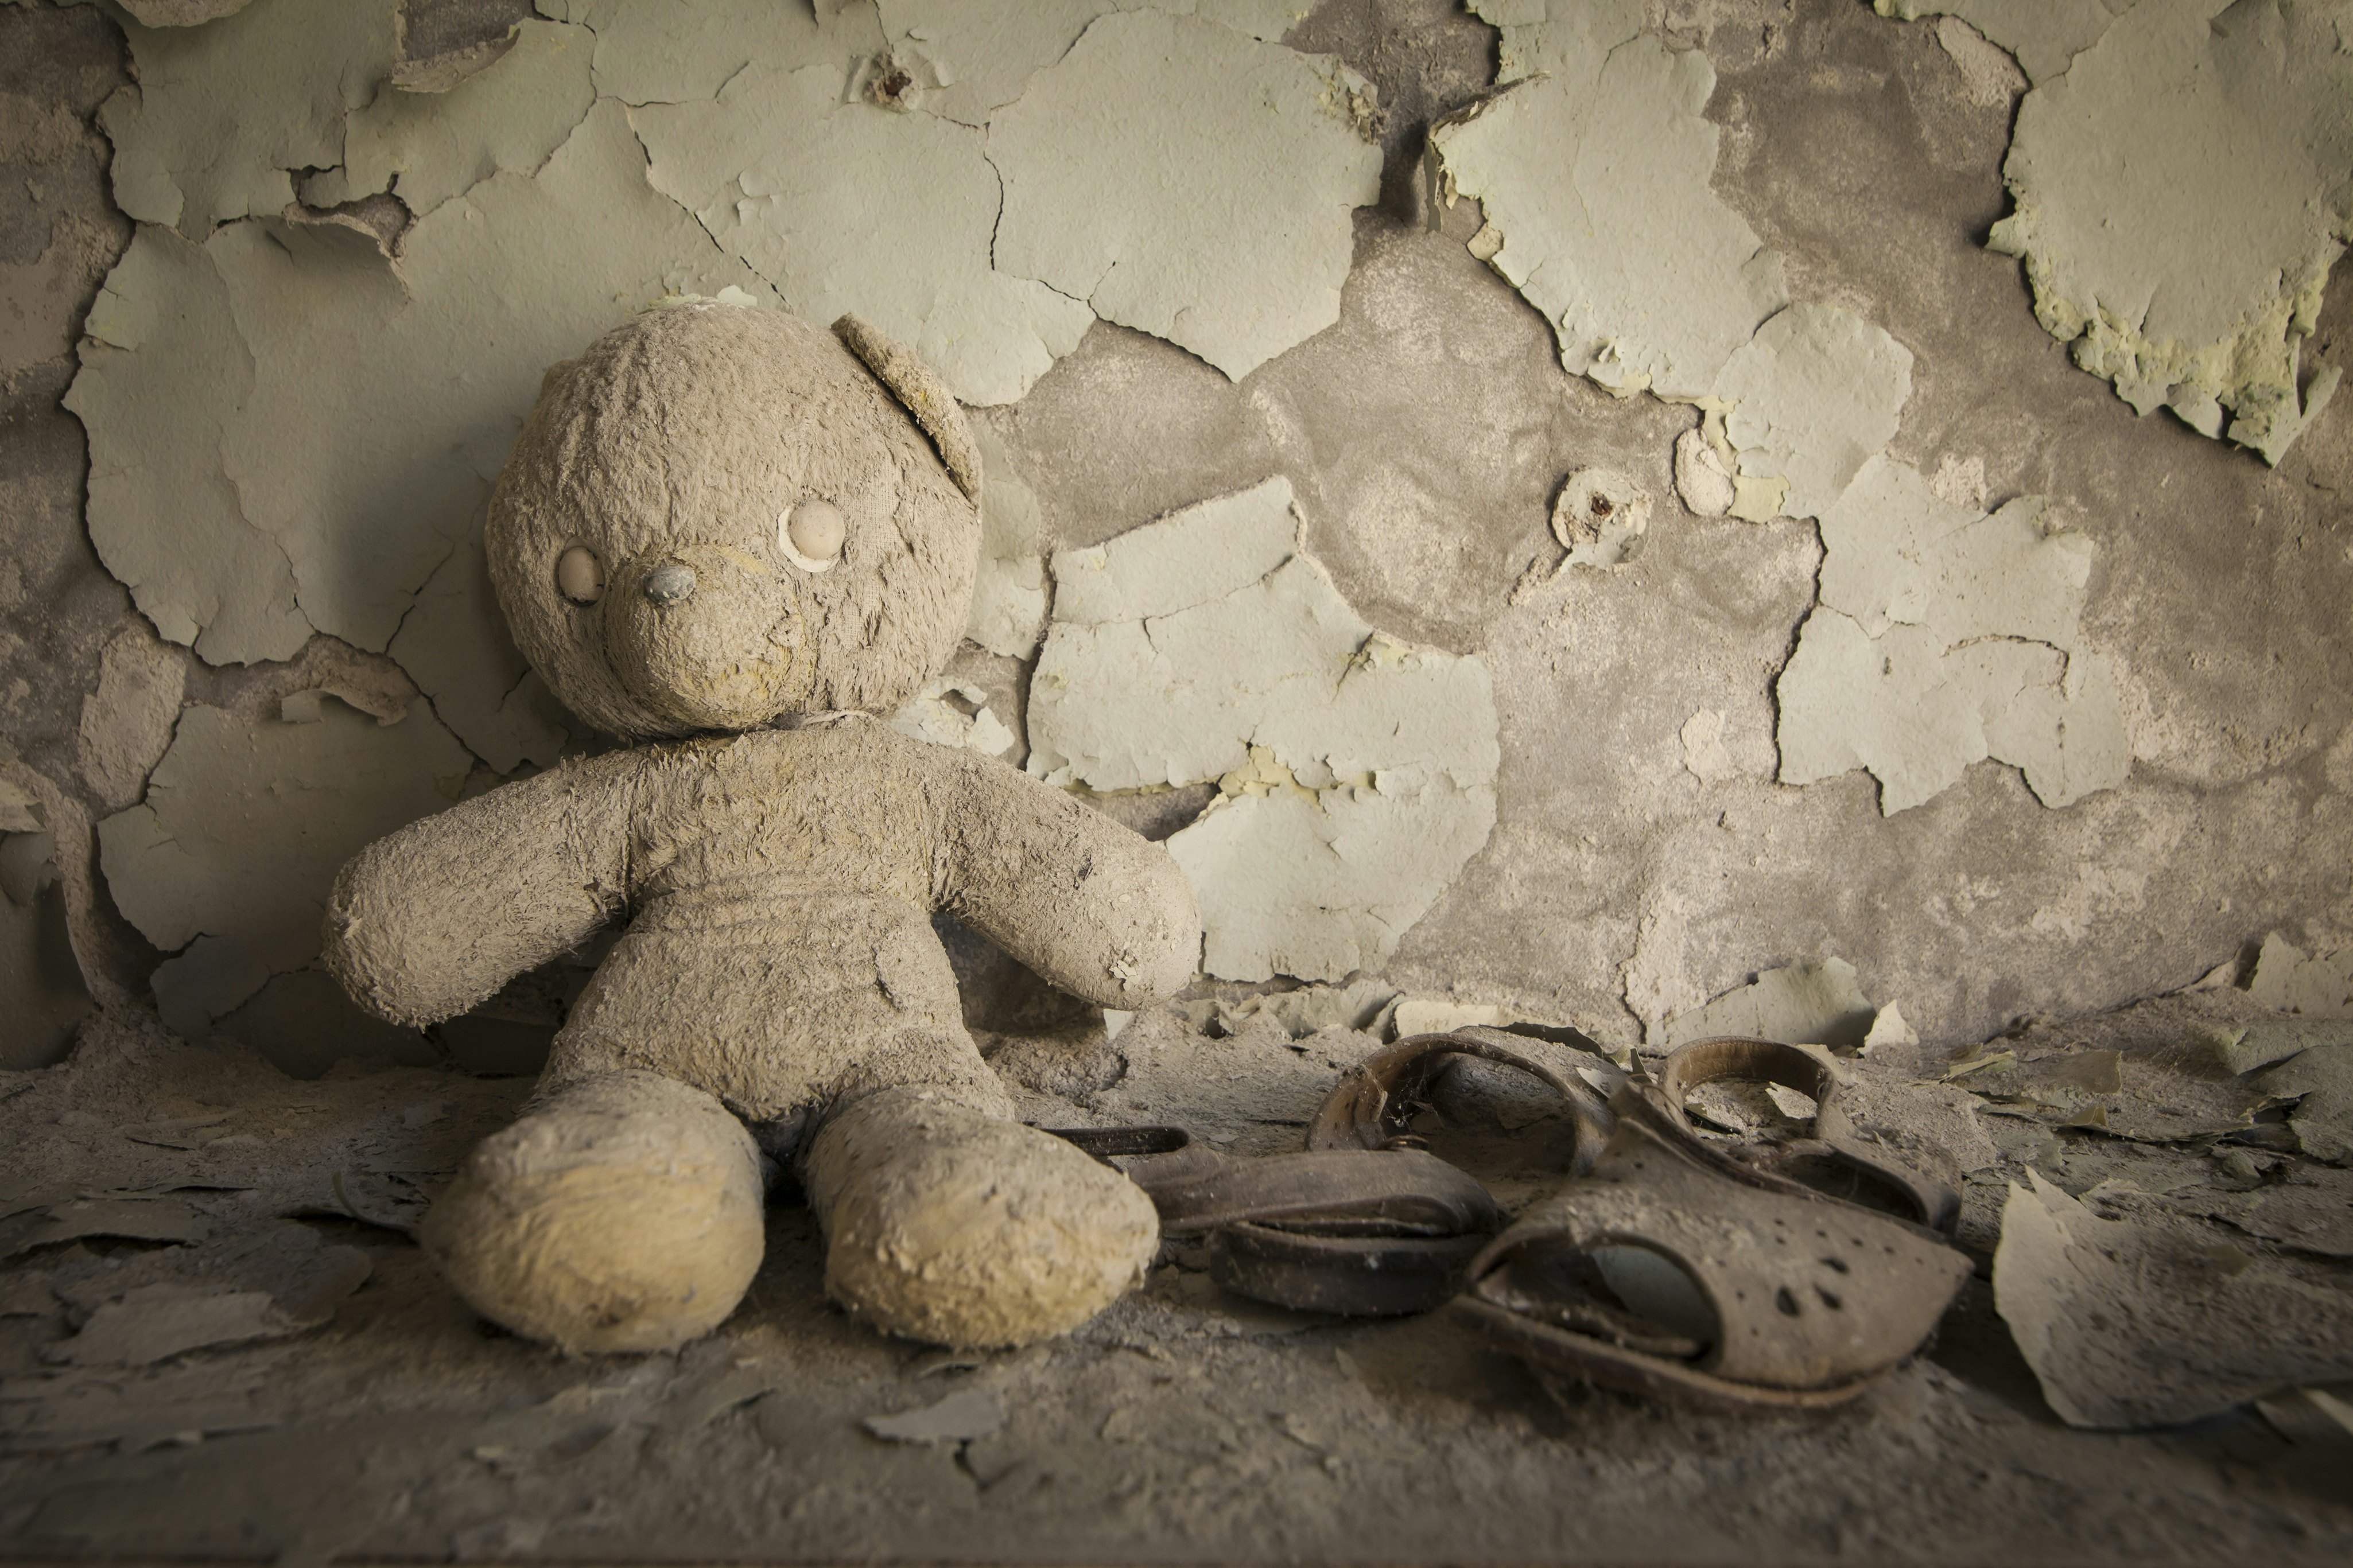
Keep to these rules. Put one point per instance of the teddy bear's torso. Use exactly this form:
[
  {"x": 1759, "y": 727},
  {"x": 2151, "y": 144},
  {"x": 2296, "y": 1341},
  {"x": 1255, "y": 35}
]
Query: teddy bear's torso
[{"x": 780, "y": 952}]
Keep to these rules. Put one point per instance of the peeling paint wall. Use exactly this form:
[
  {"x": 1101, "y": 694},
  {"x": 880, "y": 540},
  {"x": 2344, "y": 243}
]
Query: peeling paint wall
[{"x": 1632, "y": 539}]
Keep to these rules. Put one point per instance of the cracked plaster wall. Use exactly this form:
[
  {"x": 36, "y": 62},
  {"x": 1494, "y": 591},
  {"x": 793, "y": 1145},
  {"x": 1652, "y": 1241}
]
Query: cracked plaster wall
[{"x": 1755, "y": 225}]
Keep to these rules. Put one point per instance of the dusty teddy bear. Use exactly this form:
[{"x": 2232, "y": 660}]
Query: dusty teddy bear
[{"x": 720, "y": 520}]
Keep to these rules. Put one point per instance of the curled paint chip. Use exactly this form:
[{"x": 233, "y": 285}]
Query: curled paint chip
[
  {"x": 2181, "y": 196},
  {"x": 1356, "y": 773}
]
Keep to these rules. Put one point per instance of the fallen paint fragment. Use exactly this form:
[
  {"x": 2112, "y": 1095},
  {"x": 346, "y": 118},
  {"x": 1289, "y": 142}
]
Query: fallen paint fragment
[
  {"x": 1593, "y": 169},
  {"x": 959, "y": 1418},
  {"x": 222, "y": 112},
  {"x": 2180, "y": 199},
  {"x": 2148, "y": 1324},
  {"x": 2245, "y": 1048},
  {"x": 212, "y": 857},
  {"x": 264, "y": 1286},
  {"x": 138, "y": 1218},
  {"x": 2309, "y": 1208},
  {"x": 2286, "y": 979},
  {"x": 1188, "y": 181},
  {"x": 2320, "y": 1080},
  {"x": 1805, "y": 1004},
  {"x": 1355, "y": 773},
  {"x": 1942, "y": 638}
]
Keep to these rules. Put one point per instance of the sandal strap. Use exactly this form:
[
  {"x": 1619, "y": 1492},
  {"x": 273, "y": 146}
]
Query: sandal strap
[
  {"x": 1373, "y": 1101},
  {"x": 1379, "y": 1191},
  {"x": 1930, "y": 1203}
]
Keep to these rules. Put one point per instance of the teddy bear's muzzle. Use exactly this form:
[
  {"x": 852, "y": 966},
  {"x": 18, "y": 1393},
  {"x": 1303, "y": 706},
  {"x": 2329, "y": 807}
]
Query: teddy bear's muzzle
[{"x": 707, "y": 636}]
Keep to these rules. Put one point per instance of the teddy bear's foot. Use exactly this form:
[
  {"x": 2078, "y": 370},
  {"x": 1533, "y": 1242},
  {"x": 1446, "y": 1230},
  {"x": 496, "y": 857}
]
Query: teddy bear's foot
[
  {"x": 959, "y": 1228},
  {"x": 622, "y": 1213}
]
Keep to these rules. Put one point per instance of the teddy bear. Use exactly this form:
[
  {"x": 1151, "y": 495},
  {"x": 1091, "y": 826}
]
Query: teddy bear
[{"x": 730, "y": 540}]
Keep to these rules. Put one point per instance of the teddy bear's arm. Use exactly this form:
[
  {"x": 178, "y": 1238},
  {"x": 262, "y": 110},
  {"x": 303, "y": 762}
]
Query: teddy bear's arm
[
  {"x": 1095, "y": 908},
  {"x": 426, "y": 922}
]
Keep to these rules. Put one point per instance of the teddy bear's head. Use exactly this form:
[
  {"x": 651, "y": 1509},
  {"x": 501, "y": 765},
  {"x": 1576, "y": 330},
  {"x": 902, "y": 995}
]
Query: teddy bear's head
[{"x": 720, "y": 515}]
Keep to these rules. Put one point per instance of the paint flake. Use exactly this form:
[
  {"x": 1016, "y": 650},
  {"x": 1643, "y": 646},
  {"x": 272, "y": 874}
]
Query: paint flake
[
  {"x": 2044, "y": 35},
  {"x": 905, "y": 243},
  {"x": 402, "y": 388},
  {"x": 2182, "y": 197},
  {"x": 224, "y": 111},
  {"x": 1944, "y": 638},
  {"x": 245, "y": 826},
  {"x": 2289, "y": 980},
  {"x": 1187, "y": 181},
  {"x": 1356, "y": 774},
  {"x": 512, "y": 116},
  {"x": 1815, "y": 394},
  {"x": 1597, "y": 175}
]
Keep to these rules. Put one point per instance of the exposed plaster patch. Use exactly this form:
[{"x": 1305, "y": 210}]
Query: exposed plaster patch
[
  {"x": 904, "y": 242},
  {"x": 512, "y": 116},
  {"x": 127, "y": 721},
  {"x": 1944, "y": 637},
  {"x": 2181, "y": 196},
  {"x": 1702, "y": 476},
  {"x": 224, "y": 111},
  {"x": 1991, "y": 77},
  {"x": 245, "y": 824},
  {"x": 1595, "y": 174},
  {"x": 1356, "y": 773},
  {"x": 1187, "y": 181},
  {"x": 1705, "y": 756}
]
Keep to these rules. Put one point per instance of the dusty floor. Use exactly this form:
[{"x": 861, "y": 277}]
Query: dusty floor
[
  {"x": 1184, "y": 1425},
  {"x": 1424, "y": 434}
]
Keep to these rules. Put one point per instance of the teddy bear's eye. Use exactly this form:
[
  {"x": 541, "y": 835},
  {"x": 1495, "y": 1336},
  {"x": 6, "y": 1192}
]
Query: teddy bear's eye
[
  {"x": 579, "y": 575},
  {"x": 811, "y": 533}
]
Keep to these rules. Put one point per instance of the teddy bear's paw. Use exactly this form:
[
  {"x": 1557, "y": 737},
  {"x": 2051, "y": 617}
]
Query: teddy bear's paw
[
  {"x": 958, "y": 1228},
  {"x": 622, "y": 1213}
]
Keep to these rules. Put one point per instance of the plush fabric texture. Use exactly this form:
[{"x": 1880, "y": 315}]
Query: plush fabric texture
[{"x": 778, "y": 964}]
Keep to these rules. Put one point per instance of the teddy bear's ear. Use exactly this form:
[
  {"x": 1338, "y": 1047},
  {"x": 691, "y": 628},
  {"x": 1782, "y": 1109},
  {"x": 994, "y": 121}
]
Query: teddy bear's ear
[{"x": 923, "y": 394}]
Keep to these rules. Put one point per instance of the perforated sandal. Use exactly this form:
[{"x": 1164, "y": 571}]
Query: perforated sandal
[
  {"x": 1365, "y": 1222},
  {"x": 1673, "y": 1269}
]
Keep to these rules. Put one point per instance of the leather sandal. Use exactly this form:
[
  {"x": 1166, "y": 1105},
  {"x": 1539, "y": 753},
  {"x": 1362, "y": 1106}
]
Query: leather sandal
[
  {"x": 1366, "y": 1222},
  {"x": 1675, "y": 1268}
]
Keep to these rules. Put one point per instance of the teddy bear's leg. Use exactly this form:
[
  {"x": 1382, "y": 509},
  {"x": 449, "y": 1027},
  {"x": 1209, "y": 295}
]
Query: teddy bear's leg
[
  {"x": 621, "y": 1213},
  {"x": 946, "y": 1224}
]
